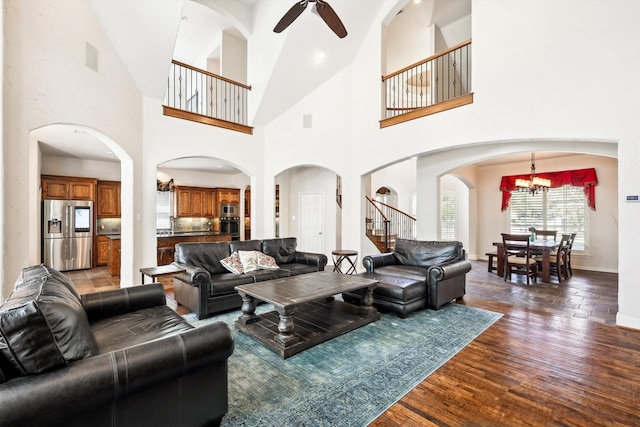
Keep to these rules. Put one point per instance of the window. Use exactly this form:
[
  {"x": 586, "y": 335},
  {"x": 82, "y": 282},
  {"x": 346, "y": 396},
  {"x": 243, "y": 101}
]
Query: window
[
  {"x": 448, "y": 215},
  {"x": 163, "y": 210},
  {"x": 563, "y": 209}
]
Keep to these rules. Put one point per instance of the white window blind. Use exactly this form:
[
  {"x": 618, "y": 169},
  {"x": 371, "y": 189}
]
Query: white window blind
[
  {"x": 163, "y": 210},
  {"x": 448, "y": 215},
  {"x": 563, "y": 209}
]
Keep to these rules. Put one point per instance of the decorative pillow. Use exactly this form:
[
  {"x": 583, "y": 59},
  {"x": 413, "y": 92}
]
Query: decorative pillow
[
  {"x": 233, "y": 263},
  {"x": 249, "y": 260},
  {"x": 266, "y": 262},
  {"x": 43, "y": 325}
]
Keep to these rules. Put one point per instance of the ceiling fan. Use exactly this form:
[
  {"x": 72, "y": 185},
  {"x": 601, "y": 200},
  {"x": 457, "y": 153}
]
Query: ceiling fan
[{"x": 323, "y": 9}]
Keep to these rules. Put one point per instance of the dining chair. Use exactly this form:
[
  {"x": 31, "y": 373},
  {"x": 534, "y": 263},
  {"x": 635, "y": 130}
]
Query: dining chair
[
  {"x": 518, "y": 257},
  {"x": 546, "y": 234},
  {"x": 567, "y": 256},
  {"x": 558, "y": 260}
]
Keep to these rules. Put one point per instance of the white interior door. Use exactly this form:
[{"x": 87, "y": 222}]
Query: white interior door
[{"x": 311, "y": 228}]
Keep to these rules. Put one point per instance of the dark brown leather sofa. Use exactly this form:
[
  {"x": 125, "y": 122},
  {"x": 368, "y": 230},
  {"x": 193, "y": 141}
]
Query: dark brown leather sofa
[
  {"x": 114, "y": 358},
  {"x": 417, "y": 274},
  {"x": 207, "y": 287}
]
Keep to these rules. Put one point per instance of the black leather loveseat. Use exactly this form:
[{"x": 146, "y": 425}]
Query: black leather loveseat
[
  {"x": 207, "y": 287},
  {"x": 417, "y": 274},
  {"x": 114, "y": 358}
]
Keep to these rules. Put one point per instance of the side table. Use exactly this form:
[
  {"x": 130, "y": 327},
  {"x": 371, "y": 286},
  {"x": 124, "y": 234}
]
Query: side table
[
  {"x": 341, "y": 255},
  {"x": 161, "y": 270}
]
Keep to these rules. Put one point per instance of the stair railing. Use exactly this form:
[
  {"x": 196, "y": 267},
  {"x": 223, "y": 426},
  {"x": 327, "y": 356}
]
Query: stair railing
[
  {"x": 377, "y": 227},
  {"x": 401, "y": 224}
]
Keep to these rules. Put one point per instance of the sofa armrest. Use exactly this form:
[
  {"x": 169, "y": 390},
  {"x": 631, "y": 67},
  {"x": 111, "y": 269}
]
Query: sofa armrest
[
  {"x": 319, "y": 260},
  {"x": 100, "y": 305},
  {"x": 370, "y": 262},
  {"x": 194, "y": 276},
  {"x": 110, "y": 377},
  {"x": 439, "y": 273}
]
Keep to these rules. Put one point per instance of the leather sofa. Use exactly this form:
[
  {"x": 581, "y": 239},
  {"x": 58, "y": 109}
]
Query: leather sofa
[
  {"x": 417, "y": 274},
  {"x": 207, "y": 287},
  {"x": 113, "y": 358}
]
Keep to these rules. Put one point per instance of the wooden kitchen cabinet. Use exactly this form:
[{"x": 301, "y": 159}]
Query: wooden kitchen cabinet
[
  {"x": 114, "y": 257},
  {"x": 228, "y": 195},
  {"x": 68, "y": 187},
  {"x": 194, "y": 202},
  {"x": 102, "y": 250},
  {"x": 108, "y": 199}
]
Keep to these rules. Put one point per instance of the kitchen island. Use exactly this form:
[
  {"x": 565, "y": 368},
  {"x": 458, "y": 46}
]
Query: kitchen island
[{"x": 164, "y": 240}]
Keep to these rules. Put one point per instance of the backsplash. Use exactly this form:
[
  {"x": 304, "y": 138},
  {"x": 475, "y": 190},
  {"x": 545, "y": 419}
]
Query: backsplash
[
  {"x": 192, "y": 224},
  {"x": 108, "y": 226}
]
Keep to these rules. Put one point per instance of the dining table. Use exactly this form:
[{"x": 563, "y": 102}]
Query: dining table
[{"x": 545, "y": 247}]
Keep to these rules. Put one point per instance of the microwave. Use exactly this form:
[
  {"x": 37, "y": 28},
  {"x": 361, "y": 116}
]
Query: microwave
[{"x": 229, "y": 210}]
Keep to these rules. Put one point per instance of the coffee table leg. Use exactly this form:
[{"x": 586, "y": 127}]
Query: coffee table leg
[
  {"x": 286, "y": 337},
  {"x": 248, "y": 310},
  {"x": 367, "y": 302}
]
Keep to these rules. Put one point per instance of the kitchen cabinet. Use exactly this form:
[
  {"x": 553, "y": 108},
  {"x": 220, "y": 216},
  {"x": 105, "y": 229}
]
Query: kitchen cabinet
[
  {"x": 102, "y": 250},
  {"x": 228, "y": 195},
  {"x": 114, "y": 256},
  {"x": 195, "y": 202},
  {"x": 108, "y": 199},
  {"x": 68, "y": 187}
]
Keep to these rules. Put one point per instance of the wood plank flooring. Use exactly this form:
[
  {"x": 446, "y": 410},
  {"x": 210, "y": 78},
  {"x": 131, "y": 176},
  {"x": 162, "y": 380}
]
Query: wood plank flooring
[{"x": 555, "y": 358}]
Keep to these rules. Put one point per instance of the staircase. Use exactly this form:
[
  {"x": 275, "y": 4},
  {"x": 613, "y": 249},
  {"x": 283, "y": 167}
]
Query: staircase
[{"x": 384, "y": 223}]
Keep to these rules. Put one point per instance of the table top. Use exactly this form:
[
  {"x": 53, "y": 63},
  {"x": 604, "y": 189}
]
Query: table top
[
  {"x": 303, "y": 288},
  {"x": 162, "y": 270},
  {"x": 344, "y": 252},
  {"x": 538, "y": 244}
]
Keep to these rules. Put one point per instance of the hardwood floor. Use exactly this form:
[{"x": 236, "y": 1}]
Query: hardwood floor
[{"x": 554, "y": 358}]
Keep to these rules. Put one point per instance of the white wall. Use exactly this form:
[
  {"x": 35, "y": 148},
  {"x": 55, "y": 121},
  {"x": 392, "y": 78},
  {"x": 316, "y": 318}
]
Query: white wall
[
  {"x": 66, "y": 166},
  {"x": 400, "y": 177}
]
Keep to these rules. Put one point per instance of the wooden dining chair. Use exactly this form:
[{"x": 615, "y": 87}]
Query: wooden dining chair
[
  {"x": 567, "y": 256},
  {"x": 546, "y": 234},
  {"x": 558, "y": 260},
  {"x": 518, "y": 257}
]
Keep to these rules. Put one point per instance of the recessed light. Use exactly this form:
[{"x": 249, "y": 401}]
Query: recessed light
[{"x": 321, "y": 56}]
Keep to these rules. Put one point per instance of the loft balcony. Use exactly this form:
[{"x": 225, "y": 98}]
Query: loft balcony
[
  {"x": 204, "y": 97},
  {"x": 438, "y": 83}
]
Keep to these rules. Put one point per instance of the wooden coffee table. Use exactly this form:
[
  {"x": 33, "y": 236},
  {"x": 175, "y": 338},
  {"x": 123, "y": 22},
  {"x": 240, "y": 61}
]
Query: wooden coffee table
[{"x": 307, "y": 298}]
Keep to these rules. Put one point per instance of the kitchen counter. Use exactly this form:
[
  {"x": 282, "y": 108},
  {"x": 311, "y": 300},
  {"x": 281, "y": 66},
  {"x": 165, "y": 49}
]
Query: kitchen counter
[{"x": 177, "y": 234}]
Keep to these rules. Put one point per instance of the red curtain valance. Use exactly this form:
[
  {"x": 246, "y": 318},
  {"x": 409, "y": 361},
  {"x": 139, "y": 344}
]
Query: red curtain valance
[{"x": 586, "y": 178}]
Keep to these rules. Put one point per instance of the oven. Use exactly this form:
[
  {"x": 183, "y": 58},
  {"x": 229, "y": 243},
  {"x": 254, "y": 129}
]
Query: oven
[{"x": 231, "y": 225}]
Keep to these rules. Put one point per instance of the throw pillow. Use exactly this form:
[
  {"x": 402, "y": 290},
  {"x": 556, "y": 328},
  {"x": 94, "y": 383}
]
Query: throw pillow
[
  {"x": 43, "y": 325},
  {"x": 249, "y": 260},
  {"x": 233, "y": 263},
  {"x": 266, "y": 262}
]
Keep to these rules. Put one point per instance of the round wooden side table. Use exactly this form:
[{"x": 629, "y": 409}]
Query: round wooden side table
[{"x": 348, "y": 255}]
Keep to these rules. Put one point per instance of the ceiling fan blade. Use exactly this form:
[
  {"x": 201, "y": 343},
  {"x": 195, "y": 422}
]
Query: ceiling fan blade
[
  {"x": 329, "y": 16},
  {"x": 291, "y": 16}
]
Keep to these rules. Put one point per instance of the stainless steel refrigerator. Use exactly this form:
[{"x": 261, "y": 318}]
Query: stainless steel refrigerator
[{"x": 67, "y": 229}]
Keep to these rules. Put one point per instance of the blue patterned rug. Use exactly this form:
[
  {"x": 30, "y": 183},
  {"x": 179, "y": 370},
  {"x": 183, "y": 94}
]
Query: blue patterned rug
[{"x": 349, "y": 380}]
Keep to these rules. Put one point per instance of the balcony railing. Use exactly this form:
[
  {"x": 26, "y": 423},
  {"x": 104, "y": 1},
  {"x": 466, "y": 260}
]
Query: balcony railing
[
  {"x": 437, "y": 83},
  {"x": 201, "y": 96}
]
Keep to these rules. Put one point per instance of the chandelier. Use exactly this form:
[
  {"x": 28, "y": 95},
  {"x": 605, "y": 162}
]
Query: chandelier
[{"x": 534, "y": 183}]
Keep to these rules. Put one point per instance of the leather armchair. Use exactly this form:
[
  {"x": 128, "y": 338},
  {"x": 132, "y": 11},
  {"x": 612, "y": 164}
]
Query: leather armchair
[{"x": 442, "y": 265}]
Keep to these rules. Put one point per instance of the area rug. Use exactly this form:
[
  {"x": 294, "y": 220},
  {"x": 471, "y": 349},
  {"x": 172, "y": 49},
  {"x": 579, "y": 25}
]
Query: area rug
[{"x": 349, "y": 380}]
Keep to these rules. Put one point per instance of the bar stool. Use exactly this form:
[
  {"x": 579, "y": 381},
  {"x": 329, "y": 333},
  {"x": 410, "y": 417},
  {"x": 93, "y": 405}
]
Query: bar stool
[{"x": 165, "y": 255}]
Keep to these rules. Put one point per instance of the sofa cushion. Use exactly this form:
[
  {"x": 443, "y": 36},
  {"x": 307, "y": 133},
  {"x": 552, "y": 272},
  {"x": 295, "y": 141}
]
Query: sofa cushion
[
  {"x": 244, "y": 245},
  {"x": 204, "y": 255},
  {"x": 43, "y": 324},
  {"x": 40, "y": 273},
  {"x": 266, "y": 262},
  {"x": 407, "y": 271},
  {"x": 293, "y": 269},
  {"x": 426, "y": 253},
  {"x": 225, "y": 283},
  {"x": 282, "y": 250},
  {"x": 137, "y": 327}
]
